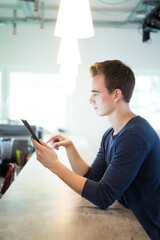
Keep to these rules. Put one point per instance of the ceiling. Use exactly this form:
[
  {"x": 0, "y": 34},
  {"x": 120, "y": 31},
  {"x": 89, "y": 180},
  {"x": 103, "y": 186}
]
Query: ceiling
[{"x": 105, "y": 13}]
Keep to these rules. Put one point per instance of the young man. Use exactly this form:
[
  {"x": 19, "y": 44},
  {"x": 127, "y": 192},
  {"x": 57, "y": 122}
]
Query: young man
[{"x": 127, "y": 166}]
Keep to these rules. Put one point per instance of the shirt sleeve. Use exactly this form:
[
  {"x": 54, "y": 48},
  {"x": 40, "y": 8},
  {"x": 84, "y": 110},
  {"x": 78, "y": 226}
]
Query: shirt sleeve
[
  {"x": 122, "y": 170},
  {"x": 98, "y": 167}
]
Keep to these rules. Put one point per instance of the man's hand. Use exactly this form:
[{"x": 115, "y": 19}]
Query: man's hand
[
  {"x": 77, "y": 163},
  {"x": 58, "y": 140},
  {"x": 46, "y": 155}
]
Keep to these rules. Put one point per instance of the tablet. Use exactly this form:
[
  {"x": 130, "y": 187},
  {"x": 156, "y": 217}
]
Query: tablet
[{"x": 30, "y": 130}]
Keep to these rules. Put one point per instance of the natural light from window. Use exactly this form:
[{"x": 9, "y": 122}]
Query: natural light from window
[
  {"x": 146, "y": 99},
  {"x": 38, "y": 98},
  {"x": 0, "y": 92}
]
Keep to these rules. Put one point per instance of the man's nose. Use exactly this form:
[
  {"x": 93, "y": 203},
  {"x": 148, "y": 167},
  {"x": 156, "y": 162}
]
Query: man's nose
[{"x": 91, "y": 100}]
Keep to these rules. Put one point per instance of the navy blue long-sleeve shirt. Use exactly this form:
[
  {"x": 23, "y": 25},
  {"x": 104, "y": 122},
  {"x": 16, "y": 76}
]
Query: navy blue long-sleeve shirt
[{"x": 127, "y": 168}]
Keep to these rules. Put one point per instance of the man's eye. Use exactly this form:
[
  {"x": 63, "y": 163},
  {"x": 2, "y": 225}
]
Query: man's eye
[{"x": 95, "y": 94}]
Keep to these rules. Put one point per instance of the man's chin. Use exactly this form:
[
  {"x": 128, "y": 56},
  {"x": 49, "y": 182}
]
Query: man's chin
[{"x": 100, "y": 114}]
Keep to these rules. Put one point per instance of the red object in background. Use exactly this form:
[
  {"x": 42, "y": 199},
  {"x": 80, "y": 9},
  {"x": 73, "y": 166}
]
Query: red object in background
[{"x": 8, "y": 178}]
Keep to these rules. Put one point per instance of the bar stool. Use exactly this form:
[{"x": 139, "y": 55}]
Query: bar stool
[{"x": 8, "y": 178}]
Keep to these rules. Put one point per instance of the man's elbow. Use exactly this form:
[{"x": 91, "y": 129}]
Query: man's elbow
[{"x": 102, "y": 207}]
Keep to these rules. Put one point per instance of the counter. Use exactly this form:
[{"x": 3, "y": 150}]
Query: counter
[{"x": 39, "y": 206}]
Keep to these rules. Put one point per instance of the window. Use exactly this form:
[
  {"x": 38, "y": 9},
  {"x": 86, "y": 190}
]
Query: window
[
  {"x": 0, "y": 84},
  {"x": 145, "y": 100},
  {"x": 0, "y": 94},
  {"x": 39, "y": 98}
]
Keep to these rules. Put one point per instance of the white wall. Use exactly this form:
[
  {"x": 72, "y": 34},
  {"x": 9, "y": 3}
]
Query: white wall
[{"x": 33, "y": 47}]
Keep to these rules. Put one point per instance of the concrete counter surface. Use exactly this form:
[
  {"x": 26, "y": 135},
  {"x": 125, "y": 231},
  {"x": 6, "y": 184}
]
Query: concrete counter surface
[{"x": 39, "y": 206}]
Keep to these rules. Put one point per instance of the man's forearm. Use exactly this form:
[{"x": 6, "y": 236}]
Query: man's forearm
[
  {"x": 78, "y": 165},
  {"x": 72, "y": 179}
]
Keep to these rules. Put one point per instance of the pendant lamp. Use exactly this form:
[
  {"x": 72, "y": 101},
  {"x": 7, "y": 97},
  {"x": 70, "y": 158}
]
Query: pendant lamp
[
  {"x": 74, "y": 19},
  {"x": 69, "y": 51},
  {"x": 68, "y": 70}
]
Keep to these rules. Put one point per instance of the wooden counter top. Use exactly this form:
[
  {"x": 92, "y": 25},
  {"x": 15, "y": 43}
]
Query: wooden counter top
[{"x": 39, "y": 206}]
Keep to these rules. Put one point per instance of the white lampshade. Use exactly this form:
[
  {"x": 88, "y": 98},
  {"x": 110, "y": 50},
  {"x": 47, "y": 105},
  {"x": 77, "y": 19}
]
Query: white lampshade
[
  {"x": 69, "y": 83},
  {"x": 69, "y": 52},
  {"x": 74, "y": 19},
  {"x": 69, "y": 69}
]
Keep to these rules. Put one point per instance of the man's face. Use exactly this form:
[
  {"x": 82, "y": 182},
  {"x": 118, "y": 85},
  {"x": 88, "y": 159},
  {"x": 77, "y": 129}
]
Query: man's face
[{"x": 103, "y": 101}]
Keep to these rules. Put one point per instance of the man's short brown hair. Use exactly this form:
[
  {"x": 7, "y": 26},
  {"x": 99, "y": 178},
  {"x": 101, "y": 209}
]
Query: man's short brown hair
[{"x": 117, "y": 76}]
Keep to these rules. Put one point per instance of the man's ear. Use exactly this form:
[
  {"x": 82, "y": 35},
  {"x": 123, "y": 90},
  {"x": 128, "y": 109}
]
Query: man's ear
[{"x": 117, "y": 94}]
